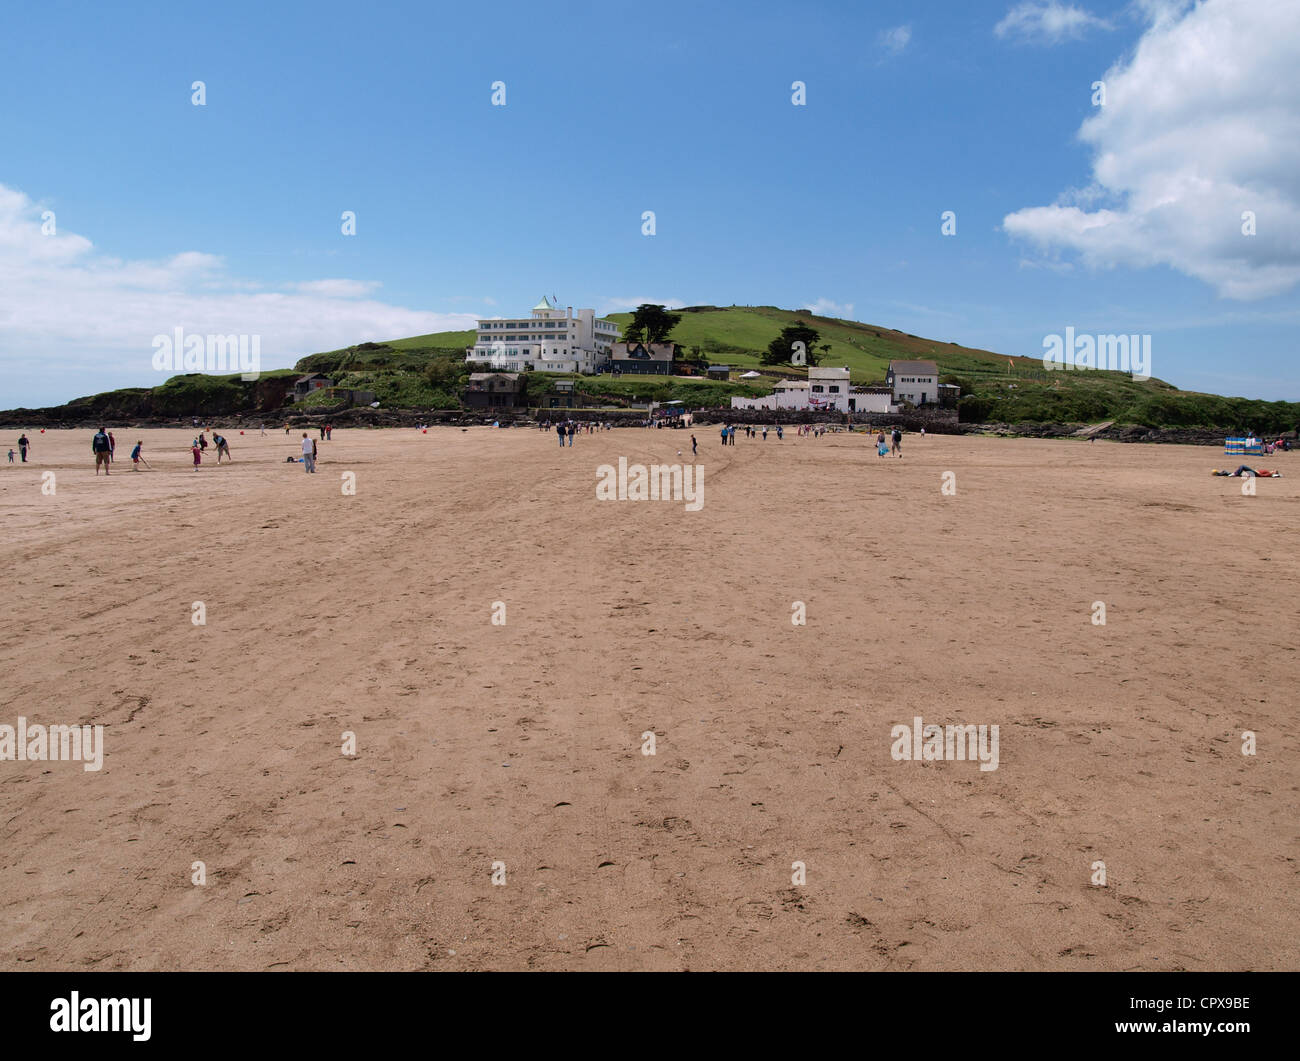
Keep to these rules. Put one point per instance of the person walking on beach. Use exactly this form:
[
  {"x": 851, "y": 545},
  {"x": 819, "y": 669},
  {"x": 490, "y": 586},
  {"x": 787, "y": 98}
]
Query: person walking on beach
[
  {"x": 23, "y": 443},
  {"x": 137, "y": 457},
  {"x": 197, "y": 451},
  {"x": 573, "y": 430},
  {"x": 898, "y": 442},
  {"x": 99, "y": 447},
  {"x": 765, "y": 432},
  {"x": 329, "y": 432},
  {"x": 308, "y": 453},
  {"x": 559, "y": 430},
  {"x": 222, "y": 447},
  {"x": 695, "y": 446}
]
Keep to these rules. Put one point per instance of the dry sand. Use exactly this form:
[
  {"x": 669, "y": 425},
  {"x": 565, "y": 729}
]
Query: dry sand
[{"x": 522, "y": 743}]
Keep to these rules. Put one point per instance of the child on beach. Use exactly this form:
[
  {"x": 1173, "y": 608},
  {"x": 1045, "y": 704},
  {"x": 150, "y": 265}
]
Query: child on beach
[
  {"x": 137, "y": 457},
  {"x": 197, "y": 450},
  {"x": 11, "y": 456}
]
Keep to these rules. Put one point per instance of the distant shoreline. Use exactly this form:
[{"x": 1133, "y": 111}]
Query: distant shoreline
[{"x": 705, "y": 421}]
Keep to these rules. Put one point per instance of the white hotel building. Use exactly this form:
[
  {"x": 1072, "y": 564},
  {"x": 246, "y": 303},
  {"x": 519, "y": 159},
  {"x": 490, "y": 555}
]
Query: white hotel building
[{"x": 551, "y": 340}]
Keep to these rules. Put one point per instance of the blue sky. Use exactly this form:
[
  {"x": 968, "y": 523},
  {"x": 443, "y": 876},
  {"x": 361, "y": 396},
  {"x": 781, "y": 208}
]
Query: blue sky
[{"x": 226, "y": 217}]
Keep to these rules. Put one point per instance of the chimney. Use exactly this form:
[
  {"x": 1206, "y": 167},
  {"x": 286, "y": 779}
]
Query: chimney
[{"x": 570, "y": 312}]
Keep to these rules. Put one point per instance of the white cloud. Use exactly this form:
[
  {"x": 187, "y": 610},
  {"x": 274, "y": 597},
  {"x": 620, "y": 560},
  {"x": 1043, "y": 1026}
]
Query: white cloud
[
  {"x": 896, "y": 39},
  {"x": 338, "y": 288},
  {"x": 824, "y": 307},
  {"x": 1201, "y": 124},
  {"x": 75, "y": 321},
  {"x": 1048, "y": 22}
]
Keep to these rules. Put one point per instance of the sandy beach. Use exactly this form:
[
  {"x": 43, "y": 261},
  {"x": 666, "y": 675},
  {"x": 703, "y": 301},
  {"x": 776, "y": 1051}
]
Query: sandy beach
[{"x": 515, "y": 750}]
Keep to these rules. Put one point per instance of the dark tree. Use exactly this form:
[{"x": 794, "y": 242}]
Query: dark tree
[
  {"x": 781, "y": 349},
  {"x": 650, "y": 324}
]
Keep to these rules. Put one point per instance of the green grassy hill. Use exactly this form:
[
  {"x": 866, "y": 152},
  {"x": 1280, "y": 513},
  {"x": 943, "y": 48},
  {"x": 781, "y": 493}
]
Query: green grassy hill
[{"x": 737, "y": 335}]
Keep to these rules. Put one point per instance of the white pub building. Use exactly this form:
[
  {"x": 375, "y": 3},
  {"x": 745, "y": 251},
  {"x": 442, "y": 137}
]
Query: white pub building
[{"x": 551, "y": 340}]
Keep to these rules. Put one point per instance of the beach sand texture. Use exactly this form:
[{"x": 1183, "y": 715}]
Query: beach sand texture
[{"x": 522, "y": 743}]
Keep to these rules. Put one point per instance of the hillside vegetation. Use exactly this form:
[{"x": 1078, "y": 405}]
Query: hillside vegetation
[{"x": 429, "y": 372}]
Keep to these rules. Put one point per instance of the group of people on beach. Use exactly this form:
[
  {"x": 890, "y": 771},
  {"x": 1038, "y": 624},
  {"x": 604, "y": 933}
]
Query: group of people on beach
[
  {"x": 24, "y": 444},
  {"x": 566, "y": 429},
  {"x": 200, "y": 446},
  {"x": 895, "y": 443},
  {"x": 729, "y": 433},
  {"x": 103, "y": 445}
]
